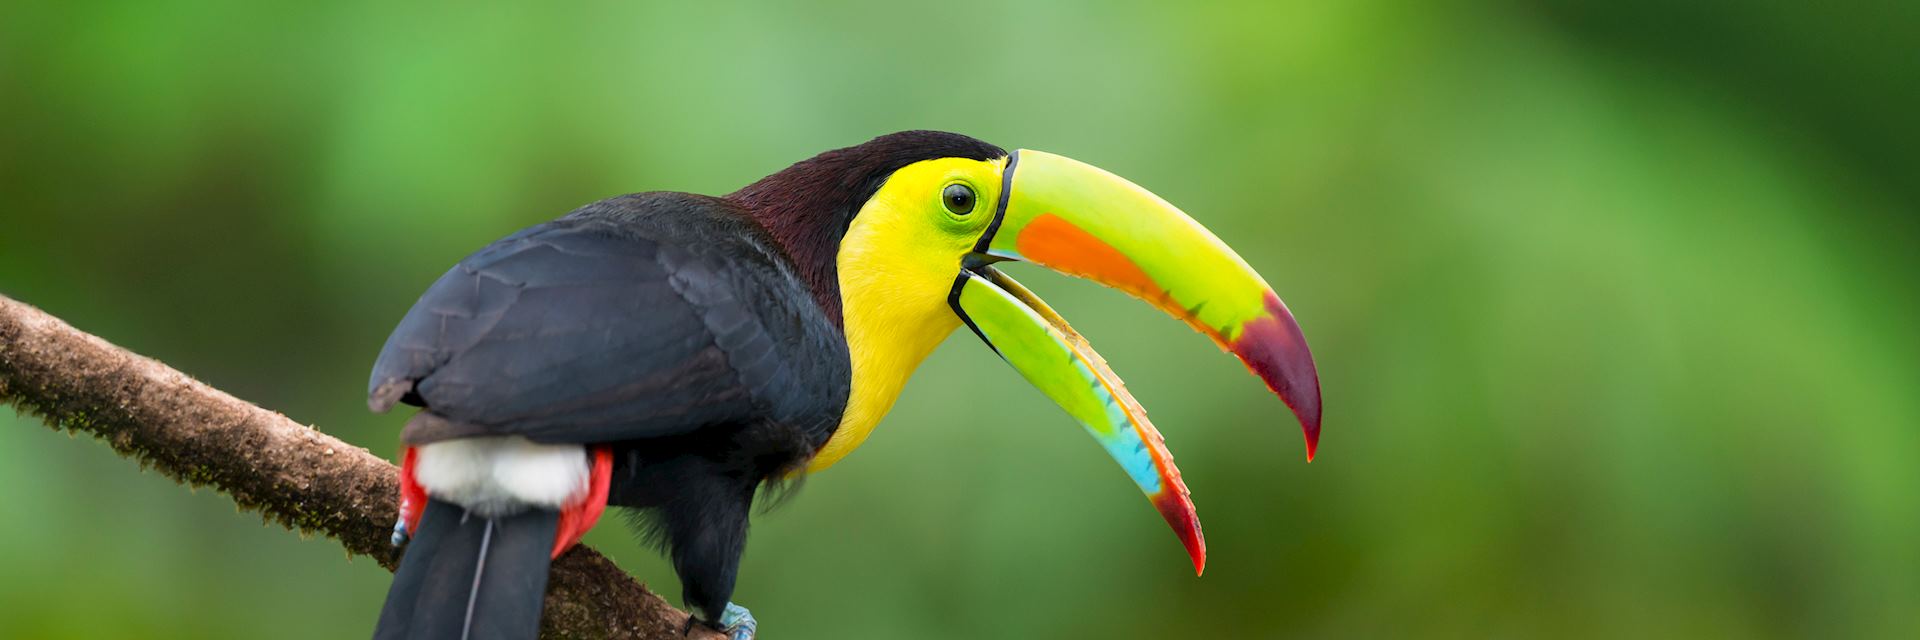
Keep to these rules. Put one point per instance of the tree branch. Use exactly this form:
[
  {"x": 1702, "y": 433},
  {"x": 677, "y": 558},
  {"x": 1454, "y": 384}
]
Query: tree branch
[{"x": 291, "y": 473}]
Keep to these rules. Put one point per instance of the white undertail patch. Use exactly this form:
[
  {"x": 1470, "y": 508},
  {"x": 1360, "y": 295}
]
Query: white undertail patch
[{"x": 500, "y": 475}]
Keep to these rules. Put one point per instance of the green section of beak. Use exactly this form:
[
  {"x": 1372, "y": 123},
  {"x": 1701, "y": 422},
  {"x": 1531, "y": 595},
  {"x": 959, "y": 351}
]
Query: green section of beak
[
  {"x": 1058, "y": 361},
  {"x": 1078, "y": 219}
]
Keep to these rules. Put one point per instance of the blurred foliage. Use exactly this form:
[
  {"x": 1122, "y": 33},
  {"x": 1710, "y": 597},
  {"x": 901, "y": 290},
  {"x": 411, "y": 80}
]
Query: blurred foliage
[{"x": 1613, "y": 301}]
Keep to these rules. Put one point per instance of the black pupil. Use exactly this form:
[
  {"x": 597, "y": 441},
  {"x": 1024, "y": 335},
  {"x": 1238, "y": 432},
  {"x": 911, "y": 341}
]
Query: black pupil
[{"x": 959, "y": 198}]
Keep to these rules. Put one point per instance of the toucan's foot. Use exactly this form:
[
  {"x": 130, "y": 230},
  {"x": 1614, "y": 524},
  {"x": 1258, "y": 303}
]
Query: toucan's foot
[
  {"x": 400, "y": 534},
  {"x": 738, "y": 623}
]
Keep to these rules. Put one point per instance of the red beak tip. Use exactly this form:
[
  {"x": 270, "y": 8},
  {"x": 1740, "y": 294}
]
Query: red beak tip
[
  {"x": 1274, "y": 349},
  {"x": 1197, "y": 547}
]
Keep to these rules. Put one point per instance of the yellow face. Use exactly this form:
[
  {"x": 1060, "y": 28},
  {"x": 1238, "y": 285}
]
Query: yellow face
[{"x": 897, "y": 264}]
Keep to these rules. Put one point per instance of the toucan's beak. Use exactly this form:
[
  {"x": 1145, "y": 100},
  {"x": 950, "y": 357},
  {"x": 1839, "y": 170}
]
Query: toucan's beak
[{"x": 1080, "y": 220}]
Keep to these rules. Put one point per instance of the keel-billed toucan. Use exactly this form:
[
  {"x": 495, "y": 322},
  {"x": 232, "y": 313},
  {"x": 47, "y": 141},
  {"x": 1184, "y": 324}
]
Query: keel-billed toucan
[{"x": 671, "y": 353}]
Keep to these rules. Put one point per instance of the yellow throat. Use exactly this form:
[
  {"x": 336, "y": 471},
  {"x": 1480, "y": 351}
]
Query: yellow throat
[{"x": 895, "y": 271}]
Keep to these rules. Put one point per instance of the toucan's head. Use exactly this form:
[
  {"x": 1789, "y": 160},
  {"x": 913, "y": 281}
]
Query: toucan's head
[{"x": 897, "y": 238}]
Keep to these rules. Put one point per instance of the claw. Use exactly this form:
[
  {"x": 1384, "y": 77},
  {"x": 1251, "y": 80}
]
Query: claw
[
  {"x": 738, "y": 623},
  {"x": 400, "y": 534}
]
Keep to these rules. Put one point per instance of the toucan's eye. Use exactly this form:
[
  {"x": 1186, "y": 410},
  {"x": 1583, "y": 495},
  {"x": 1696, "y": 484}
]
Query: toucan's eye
[{"x": 959, "y": 199}]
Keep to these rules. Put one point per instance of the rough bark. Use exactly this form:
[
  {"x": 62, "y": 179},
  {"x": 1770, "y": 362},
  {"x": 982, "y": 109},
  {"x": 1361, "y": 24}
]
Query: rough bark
[{"x": 291, "y": 473}]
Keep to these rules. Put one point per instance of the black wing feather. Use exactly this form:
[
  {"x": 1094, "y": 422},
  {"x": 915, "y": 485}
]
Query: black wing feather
[{"x": 633, "y": 318}]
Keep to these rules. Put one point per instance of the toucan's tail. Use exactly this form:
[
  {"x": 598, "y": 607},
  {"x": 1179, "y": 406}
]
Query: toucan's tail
[{"x": 465, "y": 577}]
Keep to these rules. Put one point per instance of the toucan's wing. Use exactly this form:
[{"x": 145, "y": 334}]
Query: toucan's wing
[{"x": 590, "y": 329}]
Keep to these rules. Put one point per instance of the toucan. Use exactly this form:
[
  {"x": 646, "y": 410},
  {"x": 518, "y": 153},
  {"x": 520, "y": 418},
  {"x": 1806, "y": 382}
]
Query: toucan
[{"x": 674, "y": 354}]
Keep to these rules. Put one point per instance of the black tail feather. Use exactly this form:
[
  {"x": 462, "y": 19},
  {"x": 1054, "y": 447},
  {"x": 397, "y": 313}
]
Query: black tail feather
[{"x": 465, "y": 577}]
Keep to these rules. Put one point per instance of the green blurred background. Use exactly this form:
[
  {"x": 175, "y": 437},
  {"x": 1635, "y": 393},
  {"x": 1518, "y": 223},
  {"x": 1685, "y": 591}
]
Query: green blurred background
[{"x": 1606, "y": 299}]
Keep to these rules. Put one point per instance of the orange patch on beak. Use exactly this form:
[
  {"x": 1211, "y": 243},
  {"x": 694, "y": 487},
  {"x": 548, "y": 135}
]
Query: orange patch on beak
[{"x": 1052, "y": 241}]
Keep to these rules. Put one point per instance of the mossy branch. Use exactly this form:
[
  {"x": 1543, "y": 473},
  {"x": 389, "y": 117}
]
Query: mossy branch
[{"x": 293, "y": 474}]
